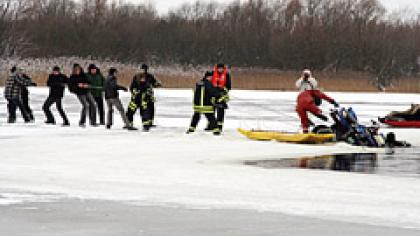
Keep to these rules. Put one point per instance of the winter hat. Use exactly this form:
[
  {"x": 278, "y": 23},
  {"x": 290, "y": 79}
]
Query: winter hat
[
  {"x": 307, "y": 72},
  {"x": 112, "y": 71},
  {"x": 13, "y": 70},
  {"x": 92, "y": 66},
  {"x": 144, "y": 67},
  {"x": 208, "y": 74}
]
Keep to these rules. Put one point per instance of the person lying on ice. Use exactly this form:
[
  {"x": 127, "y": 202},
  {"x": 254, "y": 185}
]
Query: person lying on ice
[
  {"x": 205, "y": 97},
  {"x": 306, "y": 103},
  {"x": 411, "y": 114}
]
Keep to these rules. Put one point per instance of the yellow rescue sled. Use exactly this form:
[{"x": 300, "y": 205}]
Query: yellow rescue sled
[{"x": 311, "y": 138}]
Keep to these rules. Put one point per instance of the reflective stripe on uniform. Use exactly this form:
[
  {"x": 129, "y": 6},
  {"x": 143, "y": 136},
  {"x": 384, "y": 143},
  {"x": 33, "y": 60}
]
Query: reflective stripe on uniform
[
  {"x": 204, "y": 109},
  {"x": 148, "y": 122},
  {"x": 132, "y": 106}
]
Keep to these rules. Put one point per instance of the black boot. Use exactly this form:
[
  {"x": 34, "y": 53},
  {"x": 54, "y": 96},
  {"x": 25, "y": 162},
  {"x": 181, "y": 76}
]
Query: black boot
[{"x": 190, "y": 130}]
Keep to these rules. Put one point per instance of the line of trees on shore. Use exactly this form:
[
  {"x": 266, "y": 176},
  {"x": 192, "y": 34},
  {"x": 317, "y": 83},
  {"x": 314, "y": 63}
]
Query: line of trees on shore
[{"x": 284, "y": 34}]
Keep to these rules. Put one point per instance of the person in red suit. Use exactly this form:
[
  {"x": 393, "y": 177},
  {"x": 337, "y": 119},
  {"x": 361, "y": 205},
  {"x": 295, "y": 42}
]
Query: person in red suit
[{"x": 306, "y": 103}]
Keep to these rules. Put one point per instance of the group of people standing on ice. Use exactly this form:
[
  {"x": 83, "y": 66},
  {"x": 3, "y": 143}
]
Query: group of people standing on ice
[{"x": 91, "y": 88}]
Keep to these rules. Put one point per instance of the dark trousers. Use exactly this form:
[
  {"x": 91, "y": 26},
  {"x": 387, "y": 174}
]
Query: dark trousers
[
  {"x": 152, "y": 111},
  {"x": 58, "y": 103},
  {"x": 116, "y": 102},
  {"x": 25, "y": 103},
  {"x": 88, "y": 106},
  {"x": 145, "y": 113},
  {"x": 100, "y": 105},
  {"x": 220, "y": 117},
  {"x": 12, "y": 106},
  {"x": 210, "y": 117}
]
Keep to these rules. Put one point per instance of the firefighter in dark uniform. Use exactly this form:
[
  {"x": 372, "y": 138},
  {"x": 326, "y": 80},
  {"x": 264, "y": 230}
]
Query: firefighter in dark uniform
[
  {"x": 154, "y": 83},
  {"x": 205, "y": 97},
  {"x": 221, "y": 80},
  {"x": 141, "y": 98}
]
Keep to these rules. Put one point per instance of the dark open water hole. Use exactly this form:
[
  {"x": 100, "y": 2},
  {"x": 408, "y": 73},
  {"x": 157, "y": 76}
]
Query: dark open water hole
[{"x": 405, "y": 165}]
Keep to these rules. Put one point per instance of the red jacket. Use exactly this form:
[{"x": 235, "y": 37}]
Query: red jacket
[{"x": 306, "y": 98}]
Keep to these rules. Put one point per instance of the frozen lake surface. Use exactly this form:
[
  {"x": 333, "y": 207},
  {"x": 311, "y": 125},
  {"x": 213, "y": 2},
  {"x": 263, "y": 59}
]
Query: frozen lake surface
[{"x": 167, "y": 168}]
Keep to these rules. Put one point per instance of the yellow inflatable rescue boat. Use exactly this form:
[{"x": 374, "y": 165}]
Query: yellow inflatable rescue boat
[{"x": 310, "y": 138}]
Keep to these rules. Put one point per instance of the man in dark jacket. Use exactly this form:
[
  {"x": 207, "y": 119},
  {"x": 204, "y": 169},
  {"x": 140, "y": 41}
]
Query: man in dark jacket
[
  {"x": 112, "y": 99},
  {"x": 205, "y": 97},
  {"x": 79, "y": 85},
  {"x": 57, "y": 83},
  {"x": 25, "y": 98},
  {"x": 12, "y": 93},
  {"x": 154, "y": 83},
  {"x": 96, "y": 81},
  {"x": 222, "y": 82},
  {"x": 141, "y": 98}
]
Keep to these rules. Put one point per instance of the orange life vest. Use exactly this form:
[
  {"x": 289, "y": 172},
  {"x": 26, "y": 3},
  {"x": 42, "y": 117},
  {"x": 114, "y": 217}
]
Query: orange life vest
[{"x": 219, "y": 80}]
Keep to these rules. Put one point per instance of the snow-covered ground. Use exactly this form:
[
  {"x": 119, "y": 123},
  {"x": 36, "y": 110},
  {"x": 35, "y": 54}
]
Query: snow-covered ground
[{"x": 167, "y": 167}]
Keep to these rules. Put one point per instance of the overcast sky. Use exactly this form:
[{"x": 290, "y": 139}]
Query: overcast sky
[{"x": 164, "y": 5}]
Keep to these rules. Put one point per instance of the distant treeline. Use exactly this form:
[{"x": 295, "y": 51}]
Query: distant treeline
[{"x": 284, "y": 34}]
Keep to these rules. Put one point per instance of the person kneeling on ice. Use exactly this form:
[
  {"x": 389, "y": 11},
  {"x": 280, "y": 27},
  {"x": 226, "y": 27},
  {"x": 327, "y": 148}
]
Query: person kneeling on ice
[
  {"x": 205, "y": 97},
  {"x": 306, "y": 102},
  {"x": 112, "y": 99}
]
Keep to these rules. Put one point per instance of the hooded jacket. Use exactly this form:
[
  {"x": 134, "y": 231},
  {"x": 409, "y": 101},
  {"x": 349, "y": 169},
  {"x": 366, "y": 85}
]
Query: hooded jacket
[{"x": 309, "y": 84}]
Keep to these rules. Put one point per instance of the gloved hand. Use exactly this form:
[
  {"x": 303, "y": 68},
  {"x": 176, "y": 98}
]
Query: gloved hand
[
  {"x": 125, "y": 89},
  {"x": 158, "y": 84},
  {"x": 322, "y": 117},
  {"x": 134, "y": 92},
  {"x": 336, "y": 105},
  {"x": 34, "y": 84},
  {"x": 225, "y": 98},
  {"x": 149, "y": 92}
]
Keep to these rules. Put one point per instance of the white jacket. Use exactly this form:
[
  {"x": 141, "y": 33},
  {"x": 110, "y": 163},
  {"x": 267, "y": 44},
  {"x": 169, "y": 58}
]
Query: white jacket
[{"x": 309, "y": 84}]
